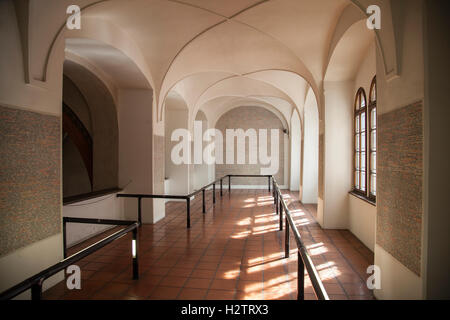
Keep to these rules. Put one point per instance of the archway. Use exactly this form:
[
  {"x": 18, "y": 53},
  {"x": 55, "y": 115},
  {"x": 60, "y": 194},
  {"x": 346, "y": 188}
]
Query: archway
[{"x": 94, "y": 112}]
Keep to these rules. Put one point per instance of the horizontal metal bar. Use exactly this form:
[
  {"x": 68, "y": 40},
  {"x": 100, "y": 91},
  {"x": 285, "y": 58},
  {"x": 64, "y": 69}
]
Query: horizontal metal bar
[
  {"x": 249, "y": 175},
  {"x": 28, "y": 283},
  {"x": 205, "y": 187},
  {"x": 98, "y": 221},
  {"x": 90, "y": 195},
  {"x": 150, "y": 196}
]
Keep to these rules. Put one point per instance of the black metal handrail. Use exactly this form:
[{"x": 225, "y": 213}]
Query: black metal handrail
[
  {"x": 303, "y": 258},
  {"x": 35, "y": 282},
  {"x": 189, "y": 196},
  {"x": 67, "y": 220},
  {"x": 304, "y": 261},
  {"x": 177, "y": 197}
]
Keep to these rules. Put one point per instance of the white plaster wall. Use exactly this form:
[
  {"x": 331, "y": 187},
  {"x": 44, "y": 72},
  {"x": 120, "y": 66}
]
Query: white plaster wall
[
  {"x": 200, "y": 174},
  {"x": 135, "y": 150},
  {"x": 295, "y": 154},
  {"x": 106, "y": 207},
  {"x": 362, "y": 220},
  {"x": 27, "y": 261},
  {"x": 337, "y": 159},
  {"x": 311, "y": 151},
  {"x": 397, "y": 281},
  {"x": 178, "y": 175}
]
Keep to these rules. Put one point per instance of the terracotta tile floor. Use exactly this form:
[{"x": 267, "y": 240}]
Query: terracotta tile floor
[{"x": 235, "y": 251}]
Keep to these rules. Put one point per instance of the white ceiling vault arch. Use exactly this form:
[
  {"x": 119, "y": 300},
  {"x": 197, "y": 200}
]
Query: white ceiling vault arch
[
  {"x": 220, "y": 106},
  {"x": 209, "y": 41}
]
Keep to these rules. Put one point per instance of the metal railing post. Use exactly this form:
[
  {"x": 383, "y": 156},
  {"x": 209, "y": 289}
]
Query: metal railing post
[
  {"x": 229, "y": 184},
  {"x": 204, "y": 204},
  {"x": 221, "y": 187},
  {"x": 36, "y": 290},
  {"x": 300, "y": 278},
  {"x": 281, "y": 213},
  {"x": 214, "y": 192},
  {"x": 188, "y": 211},
  {"x": 134, "y": 252},
  {"x": 273, "y": 190},
  {"x": 276, "y": 203},
  {"x": 286, "y": 238},
  {"x": 269, "y": 183},
  {"x": 140, "y": 210}
]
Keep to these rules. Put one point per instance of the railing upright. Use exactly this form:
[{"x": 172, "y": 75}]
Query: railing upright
[
  {"x": 300, "y": 277},
  {"x": 188, "y": 212},
  {"x": 277, "y": 207},
  {"x": 281, "y": 212},
  {"x": 134, "y": 252},
  {"x": 203, "y": 201},
  {"x": 286, "y": 239},
  {"x": 36, "y": 290},
  {"x": 140, "y": 210}
]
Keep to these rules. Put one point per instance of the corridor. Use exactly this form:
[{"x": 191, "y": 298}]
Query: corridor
[{"x": 233, "y": 252}]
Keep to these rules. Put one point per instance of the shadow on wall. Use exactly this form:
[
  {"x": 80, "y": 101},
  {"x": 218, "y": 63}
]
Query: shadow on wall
[{"x": 90, "y": 133}]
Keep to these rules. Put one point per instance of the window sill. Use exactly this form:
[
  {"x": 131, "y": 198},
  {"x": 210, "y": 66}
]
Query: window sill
[
  {"x": 88, "y": 196},
  {"x": 363, "y": 198}
]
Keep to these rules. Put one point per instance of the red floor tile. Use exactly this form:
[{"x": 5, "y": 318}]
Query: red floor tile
[{"x": 235, "y": 251}]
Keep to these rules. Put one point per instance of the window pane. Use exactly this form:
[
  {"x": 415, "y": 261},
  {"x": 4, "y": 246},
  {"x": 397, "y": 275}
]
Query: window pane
[
  {"x": 363, "y": 161},
  {"x": 357, "y": 155},
  {"x": 373, "y": 185},
  {"x": 373, "y": 162},
  {"x": 363, "y": 141},
  {"x": 356, "y": 179},
  {"x": 373, "y": 140},
  {"x": 357, "y": 124},
  {"x": 374, "y": 93},
  {"x": 363, "y": 180},
  {"x": 357, "y": 142},
  {"x": 363, "y": 101},
  {"x": 363, "y": 121},
  {"x": 357, "y": 102},
  {"x": 373, "y": 118}
]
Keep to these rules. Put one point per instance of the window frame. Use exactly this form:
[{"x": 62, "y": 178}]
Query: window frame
[
  {"x": 367, "y": 111},
  {"x": 372, "y": 105},
  {"x": 358, "y": 112}
]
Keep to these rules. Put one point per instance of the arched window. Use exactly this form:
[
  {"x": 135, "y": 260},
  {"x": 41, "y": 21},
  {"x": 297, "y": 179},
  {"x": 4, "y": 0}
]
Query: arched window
[
  {"x": 360, "y": 143},
  {"x": 373, "y": 140},
  {"x": 365, "y": 145}
]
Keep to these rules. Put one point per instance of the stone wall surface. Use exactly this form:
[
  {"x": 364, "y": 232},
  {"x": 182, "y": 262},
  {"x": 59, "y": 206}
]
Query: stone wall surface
[
  {"x": 250, "y": 118},
  {"x": 30, "y": 178},
  {"x": 400, "y": 184}
]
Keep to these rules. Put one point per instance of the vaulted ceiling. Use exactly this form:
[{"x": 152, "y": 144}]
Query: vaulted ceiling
[{"x": 210, "y": 49}]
